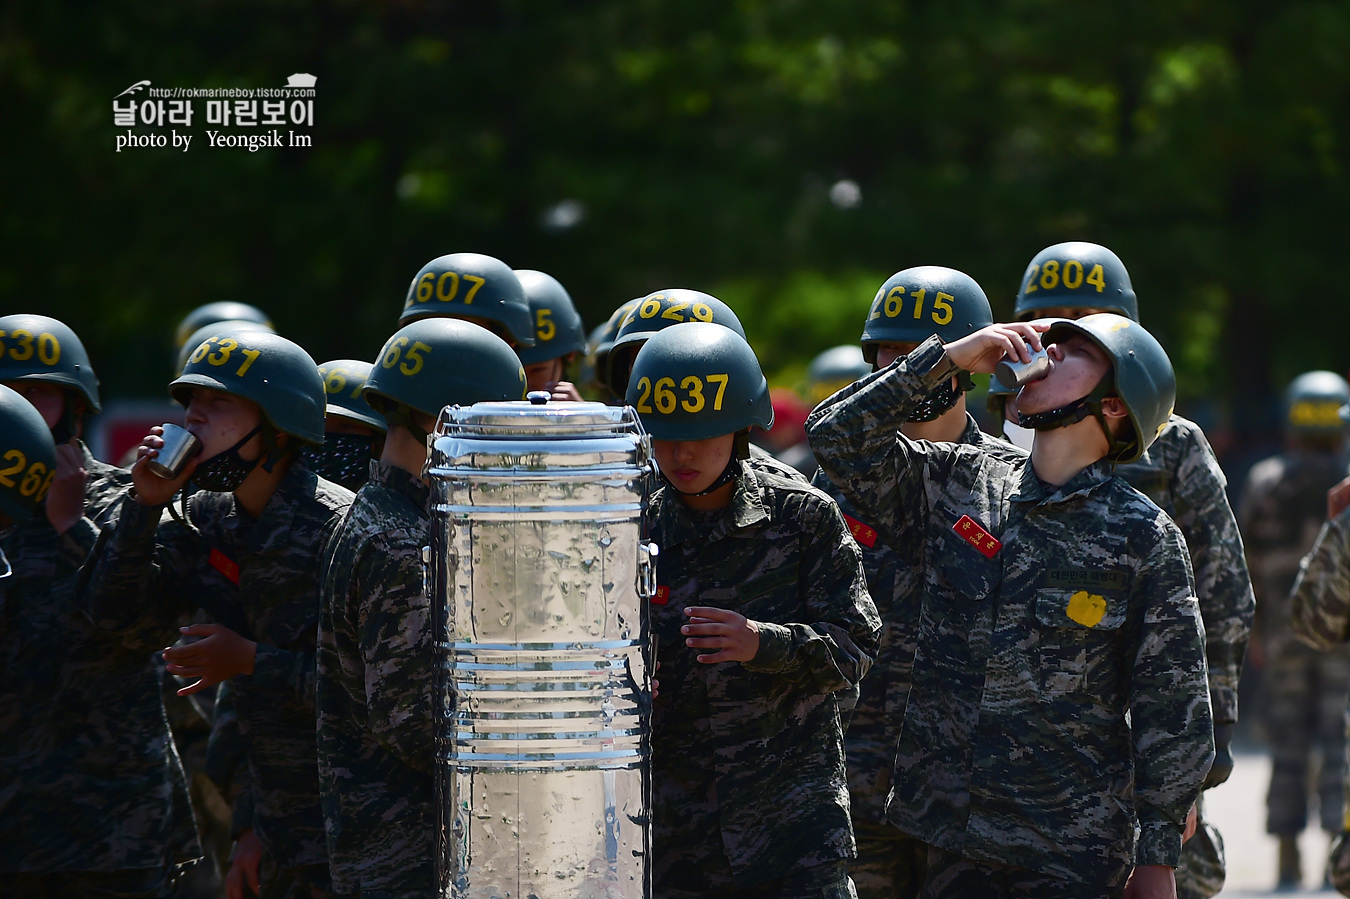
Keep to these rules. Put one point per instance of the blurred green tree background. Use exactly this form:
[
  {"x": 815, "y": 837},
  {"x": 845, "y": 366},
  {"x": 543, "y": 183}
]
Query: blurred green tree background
[{"x": 782, "y": 154}]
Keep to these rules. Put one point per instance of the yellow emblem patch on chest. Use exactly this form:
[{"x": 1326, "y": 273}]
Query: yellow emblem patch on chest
[{"x": 1086, "y": 608}]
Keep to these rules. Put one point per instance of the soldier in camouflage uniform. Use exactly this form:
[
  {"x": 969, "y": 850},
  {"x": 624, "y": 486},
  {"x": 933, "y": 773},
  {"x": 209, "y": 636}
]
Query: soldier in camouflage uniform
[
  {"x": 890, "y": 863},
  {"x": 1283, "y": 506},
  {"x": 1319, "y": 614},
  {"x": 474, "y": 288},
  {"x": 1059, "y": 697},
  {"x": 654, "y": 313},
  {"x": 93, "y": 801},
  {"x": 1179, "y": 472},
  {"x": 559, "y": 336},
  {"x": 376, "y": 654},
  {"x": 245, "y": 548},
  {"x": 762, "y": 615},
  {"x": 353, "y": 433}
]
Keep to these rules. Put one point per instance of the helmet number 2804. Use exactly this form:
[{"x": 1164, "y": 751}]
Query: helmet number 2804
[{"x": 1070, "y": 273}]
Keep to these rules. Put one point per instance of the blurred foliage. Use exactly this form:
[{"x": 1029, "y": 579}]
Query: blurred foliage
[{"x": 786, "y": 155}]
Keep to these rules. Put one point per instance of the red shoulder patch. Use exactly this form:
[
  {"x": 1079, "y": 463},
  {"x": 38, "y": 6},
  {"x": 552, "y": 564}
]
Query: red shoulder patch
[
  {"x": 865, "y": 535},
  {"x": 662, "y": 596}
]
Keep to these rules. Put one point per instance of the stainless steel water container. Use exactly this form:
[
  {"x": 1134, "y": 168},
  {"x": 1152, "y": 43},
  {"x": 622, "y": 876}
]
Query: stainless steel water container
[
  {"x": 538, "y": 576},
  {"x": 1015, "y": 373},
  {"x": 180, "y": 445}
]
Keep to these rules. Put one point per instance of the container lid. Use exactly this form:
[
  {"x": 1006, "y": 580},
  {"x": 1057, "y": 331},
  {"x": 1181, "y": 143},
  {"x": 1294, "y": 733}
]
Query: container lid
[{"x": 513, "y": 420}]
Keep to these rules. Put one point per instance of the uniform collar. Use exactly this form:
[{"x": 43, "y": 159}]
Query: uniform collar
[
  {"x": 272, "y": 529},
  {"x": 401, "y": 481},
  {"x": 1031, "y": 489},
  {"x": 972, "y": 434},
  {"x": 746, "y": 510}
]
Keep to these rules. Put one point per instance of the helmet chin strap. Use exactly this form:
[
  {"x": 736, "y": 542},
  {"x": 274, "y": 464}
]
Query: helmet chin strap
[{"x": 1072, "y": 413}]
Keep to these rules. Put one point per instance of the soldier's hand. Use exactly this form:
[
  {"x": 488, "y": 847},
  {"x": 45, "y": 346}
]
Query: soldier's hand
[
  {"x": 983, "y": 350},
  {"x": 1223, "y": 757},
  {"x": 219, "y": 655},
  {"x": 65, "y": 498},
  {"x": 563, "y": 392},
  {"x": 1338, "y": 498},
  {"x": 1151, "y": 882},
  {"x": 151, "y": 489},
  {"x": 244, "y": 861},
  {"x": 1191, "y": 826},
  {"x": 734, "y": 637}
]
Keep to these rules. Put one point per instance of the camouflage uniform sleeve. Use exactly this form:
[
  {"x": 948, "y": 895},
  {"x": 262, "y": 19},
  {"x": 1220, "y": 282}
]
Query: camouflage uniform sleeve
[
  {"x": 1170, "y": 717},
  {"x": 855, "y": 435},
  {"x": 835, "y": 651},
  {"x": 1222, "y": 583},
  {"x": 1320, "y": 600},
  {"x": 131, "y": 578},
  {"x": 394, "y": 629},
  {"x": 285, "y": 670}
]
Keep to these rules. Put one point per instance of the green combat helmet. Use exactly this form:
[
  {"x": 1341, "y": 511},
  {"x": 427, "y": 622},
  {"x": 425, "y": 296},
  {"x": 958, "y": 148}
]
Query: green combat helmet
[
  {"x": 1312, "y": 404},
  {"x": 599, "y": 344},
  {"x": 345, "y": 455},
  {"x": 437, "y": 362},
  {"x": 698, "y": 381},
  {"x": 343, "y": 383},
  {"x": 30, "y": 460},
  {"x": 225, "y": 311},
  {"x": 471, "y": 286},
  {"x": 1075, "y": 275},
  {"x": 39, "y": 348},
  {"x": 220, "y": 327},
  {"x": 656, "y": 312},
  {"x": 1142, "y": 377},
  {"x": 266, "y": 368},
  {"x": 557, "y": 324},
  {"x": 833, "y": 370},
  {"x": 917, "y": 303}
]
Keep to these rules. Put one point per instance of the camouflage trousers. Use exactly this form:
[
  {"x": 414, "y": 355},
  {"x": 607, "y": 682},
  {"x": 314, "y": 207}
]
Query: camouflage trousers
[
  {"x": 140, "y": 883},
  {"x": 890, "y": 862},
  {"x": 1304, "y": 709},
  {"x": 1201, "y": 872},
  {"x": 951, "y": 876},
  {"x": 306, "y": 882},
  {"x": 827, "y": 881}
]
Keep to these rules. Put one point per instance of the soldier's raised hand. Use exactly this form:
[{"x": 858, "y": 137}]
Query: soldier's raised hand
[
  {"x": 1338, "y": 498},
  {"x": 984, "y": 349},
  {"x": 65, "y": 498}
]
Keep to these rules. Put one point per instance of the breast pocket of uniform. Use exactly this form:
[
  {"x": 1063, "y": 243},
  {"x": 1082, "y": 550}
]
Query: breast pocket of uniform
[
  {"x": 1078, "y": 631},
  {"x": 771, "y": 594}
]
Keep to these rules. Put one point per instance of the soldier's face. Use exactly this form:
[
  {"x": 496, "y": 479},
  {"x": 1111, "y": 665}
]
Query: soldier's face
[
  {"x": 693, "y": 465},
  {"x": 543, "y": 375},
  {"x": 219, "y": 420},
  {"x": 48, "y": 399},
  {"x": 1077, "y": 365}
]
